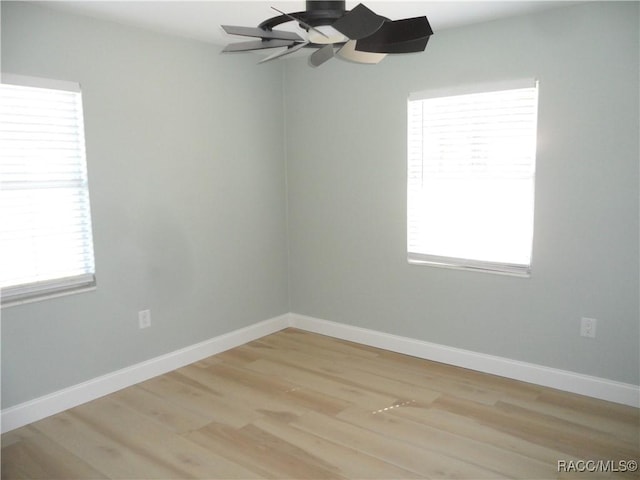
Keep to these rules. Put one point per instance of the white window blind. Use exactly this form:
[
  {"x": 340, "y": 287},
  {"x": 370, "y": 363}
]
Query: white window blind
[
  {"x": 46, "y": 244},
  {"x": 471, "y": 172}
]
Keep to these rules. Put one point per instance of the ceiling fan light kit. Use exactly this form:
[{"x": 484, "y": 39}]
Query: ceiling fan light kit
[{"x": 358, "y": 35}]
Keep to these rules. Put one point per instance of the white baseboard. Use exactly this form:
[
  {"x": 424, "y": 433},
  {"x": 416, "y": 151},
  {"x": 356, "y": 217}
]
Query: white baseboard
[
  {"x": 39, "y": 408},
  {"x": 596, "y": 387}
]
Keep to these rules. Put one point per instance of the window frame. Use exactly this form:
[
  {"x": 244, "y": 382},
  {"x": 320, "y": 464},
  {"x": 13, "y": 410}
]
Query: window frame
[
  {"x": 34, "y": 291},
  {"x": 461, "y": 263}
]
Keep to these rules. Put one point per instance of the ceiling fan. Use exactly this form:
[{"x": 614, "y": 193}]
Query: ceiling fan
[{"x": 358, "y": 35}]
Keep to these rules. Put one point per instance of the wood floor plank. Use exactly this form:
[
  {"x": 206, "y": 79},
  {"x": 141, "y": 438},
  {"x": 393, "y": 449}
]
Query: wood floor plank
[
  {"x": 463, "y": 377},
  {"x": 571, "y": 439},
  {"x": 429, "y": 375},
  {"x": 624, "y": 427},
  {"x": 345, "y": 460},
  {"x": 451, "y": 422},
  {"x": 321, "y": 345},
  {"x": 268, "y": 455},
  {"x": 453, "y": 380},
  {"x": 269, "y": 384},
  {"x": 125, "y": 445},
  {"x": 472, "y": 385},
  {"x": 134, "y": 432},
  {"x": 108, "y": 455},
  {"x": 421, "y": 461},
  {"x": 300, "y": 405},
  {"x": 239, "y": 356},
  {"x": 324, "y": 383},
  {"x": 179, "y": 390},
  {"x": 264, "y": 392},
  {"x": 343, "y": 370},
  {"x": 591, "y": 406},
  {"x": 263, "y": 400},
  {"x": 35, "y": 457},
  {"x": 490, "y": 457},
  {"x": 170, "y": 414}
]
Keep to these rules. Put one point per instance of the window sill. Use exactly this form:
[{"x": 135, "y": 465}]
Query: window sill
[
  {"x": 520, "y": 271},
  {"x": 46, "y": 296}
]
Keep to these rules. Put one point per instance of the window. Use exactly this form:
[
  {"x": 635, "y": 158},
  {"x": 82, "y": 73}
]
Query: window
[
  {"x": 471, "y": 171},
  {"x": 46, "y": 245}
]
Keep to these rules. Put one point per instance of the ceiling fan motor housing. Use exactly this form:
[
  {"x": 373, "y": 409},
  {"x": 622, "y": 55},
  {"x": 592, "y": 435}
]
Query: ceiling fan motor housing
[
  {"x": 325, "y": 5},
  {"x": 317, "y": 14}
]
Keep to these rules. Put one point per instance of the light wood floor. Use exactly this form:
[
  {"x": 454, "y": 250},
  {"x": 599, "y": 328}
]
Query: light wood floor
[{"x": 300, "y": 405}]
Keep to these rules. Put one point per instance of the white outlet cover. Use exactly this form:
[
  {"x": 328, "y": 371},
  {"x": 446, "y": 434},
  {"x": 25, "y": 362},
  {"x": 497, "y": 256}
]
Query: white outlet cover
[
  {"x": 144, "y": 318},
  {"x": 588, "y": 327}
]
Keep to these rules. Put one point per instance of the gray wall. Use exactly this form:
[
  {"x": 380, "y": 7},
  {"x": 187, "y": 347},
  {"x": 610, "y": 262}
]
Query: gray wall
[
  {"x": 186, "y": 173},
  {"x": 190, "y": 196},
  {"x": 346, "y": 153}
]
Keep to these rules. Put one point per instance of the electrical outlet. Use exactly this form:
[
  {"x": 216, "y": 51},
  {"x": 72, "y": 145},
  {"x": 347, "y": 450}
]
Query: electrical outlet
[
  {"x": 144, "y": 318},
  {"x": 588, "y": 327}
]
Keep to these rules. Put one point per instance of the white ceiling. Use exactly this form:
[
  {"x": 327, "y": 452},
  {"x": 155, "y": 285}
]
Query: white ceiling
[{"x": 201, "y": 20}]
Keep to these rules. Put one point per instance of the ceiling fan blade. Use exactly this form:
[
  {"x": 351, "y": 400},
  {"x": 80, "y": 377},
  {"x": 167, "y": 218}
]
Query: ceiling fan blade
[
  {"x": 359, "y": 23},
  {"x": 399, "y": 36},
  {"x": 289, "y": 50},
  {"x": 257, "y": 45},
  {"x": 304, "y": 24},
  {"x": 321, "y": 55},
  {"x": 349, "y": 52},
  {"x": 261, "y": 33}
]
